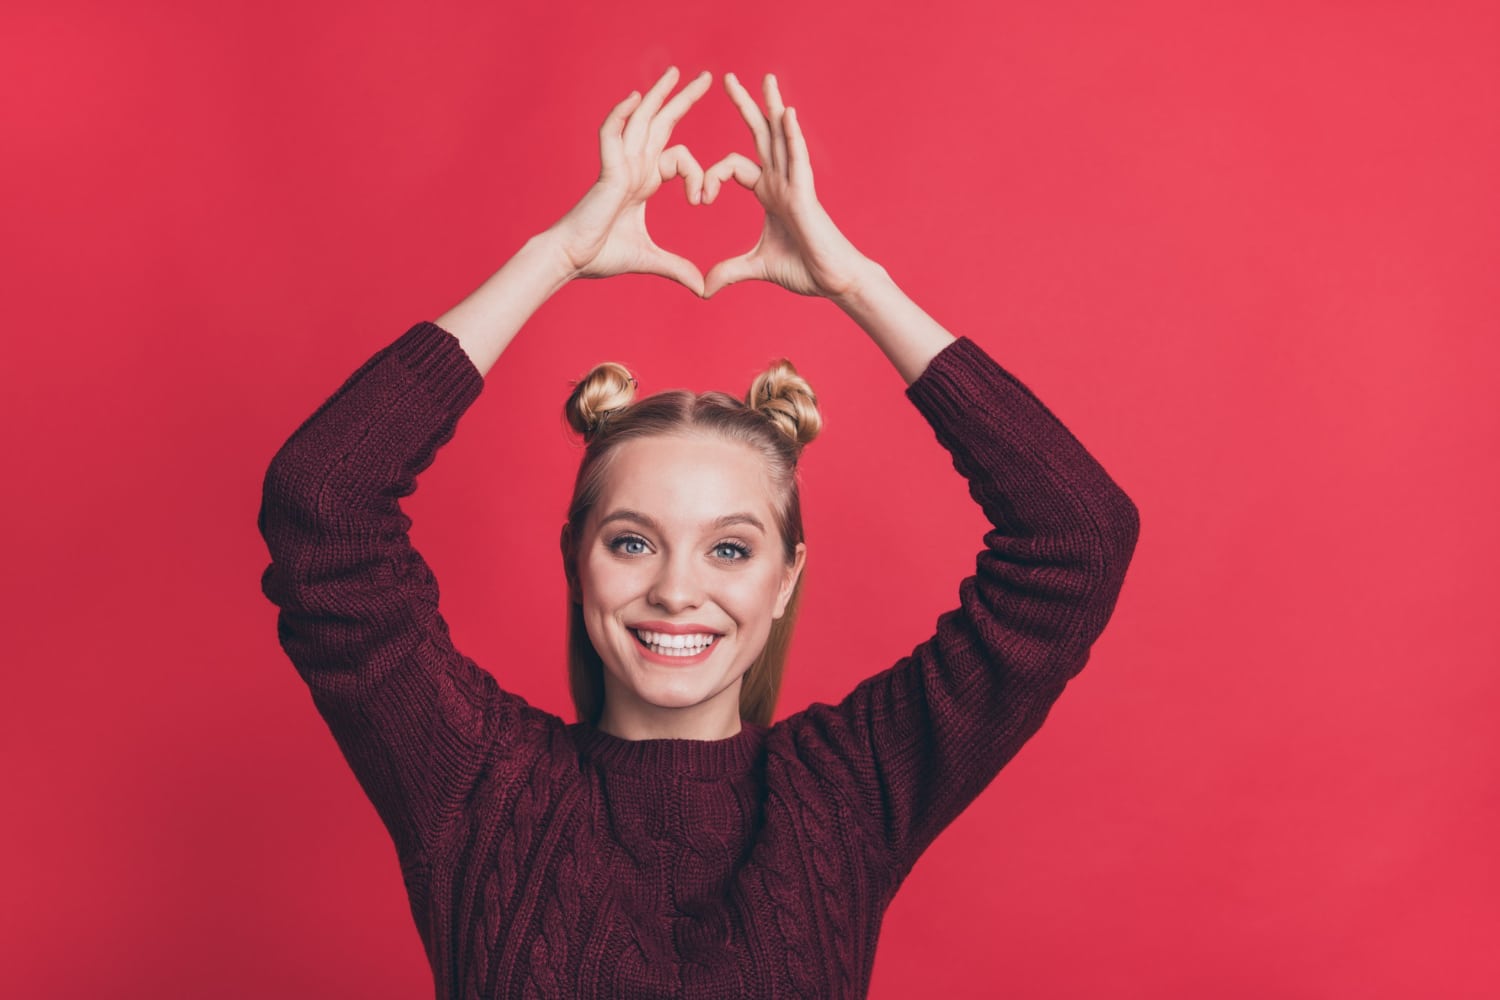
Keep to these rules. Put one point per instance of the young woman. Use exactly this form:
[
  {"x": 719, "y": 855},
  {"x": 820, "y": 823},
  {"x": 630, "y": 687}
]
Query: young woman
[{"x": 673, "y": 841}]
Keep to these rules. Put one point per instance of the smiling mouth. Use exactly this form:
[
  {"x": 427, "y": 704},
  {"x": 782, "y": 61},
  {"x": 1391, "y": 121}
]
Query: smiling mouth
[{"x": 683, "y": 651}]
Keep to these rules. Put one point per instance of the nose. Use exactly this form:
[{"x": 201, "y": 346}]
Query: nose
[{"x": 677, "y": 586}]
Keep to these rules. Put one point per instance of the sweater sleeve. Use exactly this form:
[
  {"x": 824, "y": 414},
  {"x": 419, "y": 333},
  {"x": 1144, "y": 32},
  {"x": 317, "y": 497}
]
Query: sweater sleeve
[
  {"x": 918, "y": 742},
  {"x": 414, "y": 718}
]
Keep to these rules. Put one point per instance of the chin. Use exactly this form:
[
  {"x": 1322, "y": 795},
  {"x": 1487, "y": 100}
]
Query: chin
[{"x": 677, "y": 696}]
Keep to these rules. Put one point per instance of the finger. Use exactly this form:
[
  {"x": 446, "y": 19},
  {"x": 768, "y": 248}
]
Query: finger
[
  {"x": 678, "y": 162},
  {"x": 640, "y": 121},
  {"x": 800, "y": 164},
  {"x": 611, "y": 150},
  {"x": 744, "y": 171},
  {"x": 752, "y": 115},
  {"x": 679, "y": 269},
  {"x": 727, "y": 272},
  {"x": 774, "y": 113},
  {"x": 672, "y": 112}
]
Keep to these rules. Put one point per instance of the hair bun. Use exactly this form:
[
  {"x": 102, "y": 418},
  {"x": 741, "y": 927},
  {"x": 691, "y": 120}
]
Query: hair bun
[
  {"x": 607, "y": 387},
  {"x": 786, "y": 399}
]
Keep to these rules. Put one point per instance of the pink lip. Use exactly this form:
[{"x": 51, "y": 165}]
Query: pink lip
[{"x": 670, "y": 629}]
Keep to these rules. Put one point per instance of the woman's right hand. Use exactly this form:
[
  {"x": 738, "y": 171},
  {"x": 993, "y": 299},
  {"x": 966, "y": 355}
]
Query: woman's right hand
[{"x": 605, "y": 233}]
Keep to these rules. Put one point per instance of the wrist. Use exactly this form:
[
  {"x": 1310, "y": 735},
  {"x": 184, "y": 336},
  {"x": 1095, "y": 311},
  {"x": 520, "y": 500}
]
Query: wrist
[
  {"x": 552, "y": 247},
  {"x": 578, "y": 236},
  {"x": 864, "y": 282}
]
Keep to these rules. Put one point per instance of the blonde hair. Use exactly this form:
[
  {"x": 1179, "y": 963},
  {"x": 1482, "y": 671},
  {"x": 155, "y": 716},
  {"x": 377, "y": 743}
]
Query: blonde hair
[{"x": 778, "y": 416}]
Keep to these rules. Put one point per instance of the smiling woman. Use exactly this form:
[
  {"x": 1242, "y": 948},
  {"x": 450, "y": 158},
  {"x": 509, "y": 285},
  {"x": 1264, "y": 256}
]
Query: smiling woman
[
  {"x": 674, "y": 840},
  {"x": 697, "y": 479}
]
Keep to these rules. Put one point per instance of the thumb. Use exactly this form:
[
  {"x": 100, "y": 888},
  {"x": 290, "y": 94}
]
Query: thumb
[
  {"x": 678, "y": 268},
  {"x": 727, "y": 272}
]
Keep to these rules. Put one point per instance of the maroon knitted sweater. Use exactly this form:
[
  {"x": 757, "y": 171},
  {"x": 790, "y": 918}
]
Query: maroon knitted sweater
[{"x": 549, "y": 859}]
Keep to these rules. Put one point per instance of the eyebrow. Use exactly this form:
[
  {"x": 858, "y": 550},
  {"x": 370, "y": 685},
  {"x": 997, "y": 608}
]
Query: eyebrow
[{"x": 626, "y": 514}]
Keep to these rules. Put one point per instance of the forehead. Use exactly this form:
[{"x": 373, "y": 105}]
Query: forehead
[{"x": 686, "y": 481}]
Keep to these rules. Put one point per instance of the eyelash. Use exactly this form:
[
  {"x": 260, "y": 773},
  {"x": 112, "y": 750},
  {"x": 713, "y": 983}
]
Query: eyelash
[{"x": 740, "y": 547}]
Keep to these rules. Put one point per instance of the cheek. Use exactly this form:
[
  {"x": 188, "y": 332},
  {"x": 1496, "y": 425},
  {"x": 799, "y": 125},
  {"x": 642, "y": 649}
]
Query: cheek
[
  {"x": 607, "y": 582},
  {"x": 753, "y": 595}
]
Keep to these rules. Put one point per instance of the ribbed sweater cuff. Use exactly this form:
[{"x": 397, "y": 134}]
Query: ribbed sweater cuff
[
  {"x": 959, "y": 374},
  {"x": 962, "y": 375},
  {"x": 437, "y": 360}
]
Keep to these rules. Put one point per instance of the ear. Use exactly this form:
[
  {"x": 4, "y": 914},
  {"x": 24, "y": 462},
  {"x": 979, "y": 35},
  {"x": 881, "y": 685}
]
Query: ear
[
  {"x": 570, "y": 569},
  {"x": 789, "y": 581}
]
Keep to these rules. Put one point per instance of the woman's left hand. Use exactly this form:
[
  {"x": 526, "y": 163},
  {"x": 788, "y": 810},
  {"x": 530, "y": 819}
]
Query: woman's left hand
[{"x": 799, "y": 247}]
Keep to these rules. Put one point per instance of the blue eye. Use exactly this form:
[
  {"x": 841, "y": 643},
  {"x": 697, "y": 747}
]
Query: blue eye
[
  {"x": 742, "y": 551},
  {"x": 617, "y": 542}
]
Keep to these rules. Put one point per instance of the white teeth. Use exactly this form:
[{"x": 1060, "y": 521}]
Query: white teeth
[
  {"x": 674, "y": 641},
  {"x": 675, "y": 645},
  {"x": 673, "y": 651}
]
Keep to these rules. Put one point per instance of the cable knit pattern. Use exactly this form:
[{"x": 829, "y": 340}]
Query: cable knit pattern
[{"x": 549, "y": 859}]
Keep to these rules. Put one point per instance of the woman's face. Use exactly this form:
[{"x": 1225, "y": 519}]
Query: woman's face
[{"x": 682, "y": 538}]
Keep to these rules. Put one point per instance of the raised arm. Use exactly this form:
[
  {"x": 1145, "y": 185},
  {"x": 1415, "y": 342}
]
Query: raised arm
[
  {"x": 912, "y": 746},
  {"x": 359, "y": 618},
  {"x": 921, "y": 740},
  {"x": 415, "y": 718}
]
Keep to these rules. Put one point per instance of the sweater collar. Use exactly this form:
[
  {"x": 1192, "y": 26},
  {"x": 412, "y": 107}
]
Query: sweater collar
[{"x": 732, "y": 755}]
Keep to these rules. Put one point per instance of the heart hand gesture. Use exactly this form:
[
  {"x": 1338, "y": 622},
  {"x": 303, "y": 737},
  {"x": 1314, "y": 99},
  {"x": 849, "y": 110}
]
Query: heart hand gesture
[
  {"x": 799, "y": 247},
  {"x": 605, "y": 233}
]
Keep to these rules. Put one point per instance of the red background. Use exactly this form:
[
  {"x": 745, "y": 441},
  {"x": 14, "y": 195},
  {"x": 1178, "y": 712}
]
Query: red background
[{"x": 1248, "y": 257}]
